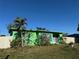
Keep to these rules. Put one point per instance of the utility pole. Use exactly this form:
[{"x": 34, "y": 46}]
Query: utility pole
[{"x": 78, "y": 28}]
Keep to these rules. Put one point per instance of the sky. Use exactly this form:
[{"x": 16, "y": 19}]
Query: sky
[{"x": 55, "y": 15}]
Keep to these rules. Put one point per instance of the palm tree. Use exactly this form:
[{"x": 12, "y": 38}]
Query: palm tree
[{"x": 20, "y": 22}]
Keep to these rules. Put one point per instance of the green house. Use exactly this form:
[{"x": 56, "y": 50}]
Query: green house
[{"x": 36, "y": 37}]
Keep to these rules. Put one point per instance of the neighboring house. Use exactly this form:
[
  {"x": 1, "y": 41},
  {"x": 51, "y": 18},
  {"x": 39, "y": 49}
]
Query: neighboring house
[
  {"x": 69, "y": 40},
  {"x": 76, "y": 36}
]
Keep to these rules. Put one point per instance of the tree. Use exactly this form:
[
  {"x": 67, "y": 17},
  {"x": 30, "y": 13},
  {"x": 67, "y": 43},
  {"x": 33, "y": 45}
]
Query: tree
[
  {"x": 41, "y": 29},
  {"x": 18, "y": 24}
]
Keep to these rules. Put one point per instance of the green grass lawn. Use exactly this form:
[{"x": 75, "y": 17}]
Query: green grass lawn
[{"x": 41, "y": 52}]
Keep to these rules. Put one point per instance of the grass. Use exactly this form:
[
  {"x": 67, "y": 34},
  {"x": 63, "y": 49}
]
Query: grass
[{"x": 41, "y": 52}]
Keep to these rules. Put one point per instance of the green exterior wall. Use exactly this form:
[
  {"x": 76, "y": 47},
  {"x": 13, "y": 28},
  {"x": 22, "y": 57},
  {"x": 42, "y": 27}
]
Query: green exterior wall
[{"x": 36, "y": 38}]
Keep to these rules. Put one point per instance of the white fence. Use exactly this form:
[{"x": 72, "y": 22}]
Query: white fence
[{"x": 5, "y": 42}]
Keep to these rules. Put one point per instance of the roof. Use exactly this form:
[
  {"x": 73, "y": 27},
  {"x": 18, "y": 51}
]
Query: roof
[
  {"x": 74, "y": 35},
  {"x": 38, "y": 31}
]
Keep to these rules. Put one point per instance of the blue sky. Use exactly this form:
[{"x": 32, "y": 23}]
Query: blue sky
[{"x": 55, "y": 15}]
